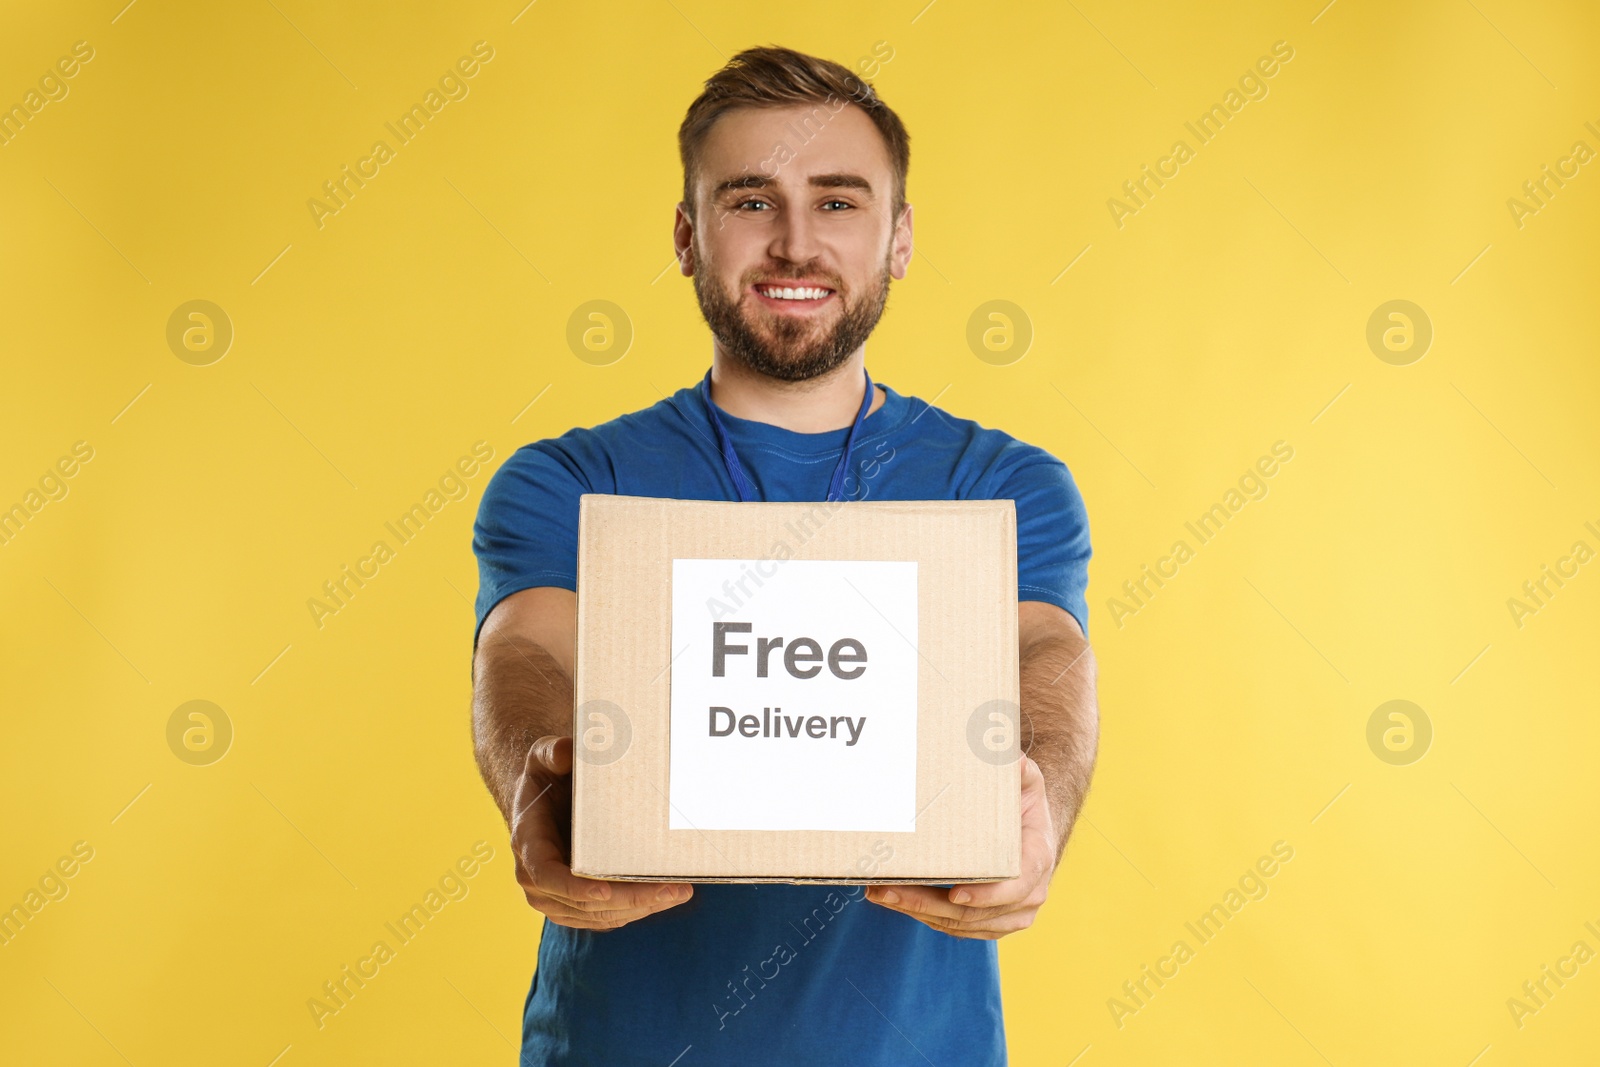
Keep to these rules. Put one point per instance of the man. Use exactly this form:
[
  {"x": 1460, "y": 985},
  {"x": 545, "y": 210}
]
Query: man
[{"x": 791, "y": 248}]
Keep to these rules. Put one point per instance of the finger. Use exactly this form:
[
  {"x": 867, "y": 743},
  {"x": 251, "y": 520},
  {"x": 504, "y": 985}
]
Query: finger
[
  {"x": 920, "y": 900},
  {"x": 598, "y": 926},
  {"x": 1038, "y": 858},
  {"x": 549, "y": 876},
  {"x": 545, "y": 872},
  {"x": 552, "y": 753},
  {"x": 1007, "y": 893},
  {"x": 613, "y": 908},
  {"x": 559, "y": 911},
  {"x": 584, "y": 921},
  {"x": 543, "y": 866},
  {"x": 986, "y": 895},
  {"x": 1032, "y": 776},
  {"x": 536, "y": 793},
  {"x": 954, "y": 931},
  {"x": 541, "y": 859},
  {"x": 989, "y": 928},
  {"x": 592, "y": 917},
  {"x": 1036, "y": 815},
  {"x": 610, "y": 919},
  {"x": 1030, "y": 887},
  {"x": 548, "y": 761},
  {"x": 537, "y": 838},
  {"x": 974, "y": 935}
]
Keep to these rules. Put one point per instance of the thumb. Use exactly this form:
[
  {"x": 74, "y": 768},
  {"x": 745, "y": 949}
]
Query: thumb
[{"x": 551, "y": 753}]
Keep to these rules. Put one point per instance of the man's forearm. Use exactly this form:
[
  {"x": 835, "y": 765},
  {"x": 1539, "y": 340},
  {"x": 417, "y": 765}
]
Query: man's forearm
[
  {"x": 1059, "y": 708},
  {"x": 519, "y": 694}
]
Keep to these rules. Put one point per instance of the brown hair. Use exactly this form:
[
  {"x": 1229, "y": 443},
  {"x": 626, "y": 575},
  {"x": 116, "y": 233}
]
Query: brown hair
[{"x": 777, "y": 77}]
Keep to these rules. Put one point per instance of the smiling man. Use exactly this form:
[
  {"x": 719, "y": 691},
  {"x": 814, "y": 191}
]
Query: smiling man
[{"x": 793, "y": 223}]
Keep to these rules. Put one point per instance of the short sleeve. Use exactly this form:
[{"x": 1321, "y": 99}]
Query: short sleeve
[
  {"x": 1052, "y": 535},
  {"x": 526, "y": 532}
]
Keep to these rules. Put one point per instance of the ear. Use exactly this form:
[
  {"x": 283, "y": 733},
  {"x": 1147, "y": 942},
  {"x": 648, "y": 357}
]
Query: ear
[
  {"x": 900, "y": 258},
  {"x": 683, "y": 240}
]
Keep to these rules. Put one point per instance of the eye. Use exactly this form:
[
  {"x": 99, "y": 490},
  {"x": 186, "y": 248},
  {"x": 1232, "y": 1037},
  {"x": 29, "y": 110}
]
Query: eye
[
  {"x": 749, "y": 203},
  {"x": 844, "y": 203}
]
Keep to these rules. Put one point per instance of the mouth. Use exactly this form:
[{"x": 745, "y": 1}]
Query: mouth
[{"x": 792, "y": 298}]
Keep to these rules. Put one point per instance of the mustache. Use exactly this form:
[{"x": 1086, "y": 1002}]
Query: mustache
[{"x": 829, "y": 284}]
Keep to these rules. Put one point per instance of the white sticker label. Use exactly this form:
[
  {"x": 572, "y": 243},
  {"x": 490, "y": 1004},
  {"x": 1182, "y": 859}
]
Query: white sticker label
[{"x": 794, "y": 695}]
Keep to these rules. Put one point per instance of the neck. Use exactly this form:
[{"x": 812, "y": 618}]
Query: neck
[{"x": 827, "y": 402}]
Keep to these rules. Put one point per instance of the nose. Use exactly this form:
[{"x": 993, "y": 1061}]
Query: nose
[{"x": 794, "y": 238}]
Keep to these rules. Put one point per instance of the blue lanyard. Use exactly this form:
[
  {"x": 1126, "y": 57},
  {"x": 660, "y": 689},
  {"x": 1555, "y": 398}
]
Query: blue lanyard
[{"x": 730, "y": 459}]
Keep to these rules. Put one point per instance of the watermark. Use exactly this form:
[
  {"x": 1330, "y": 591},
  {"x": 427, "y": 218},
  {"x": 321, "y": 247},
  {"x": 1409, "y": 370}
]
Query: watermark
[
  {"x": 1537, "y": 592},
  {"x": 340, "y": 990},
  {"x": 52, "y": 886},
  {"x": 199, "y": 733},
  {"x": 199, "y": 332},
  {"x": 999, "y": 332},
  {"x": 599, "y": 332},
  {"x": 1137, "y": 593},
  {"x": 1139, "y": 991},
  {"x": 736, "y": 593},
  {"x": 1537, "y": 993},
  {"x": 53, "y": 87},
  {"x": 339, "y": 591},
  {"x": 340, "y": 190},
  {"x": 811, "y": 926},
  {"x": 1399, "y": 332},
  {"x": 52, "y": 486},
  {"x": 605, "y": 733},
  {"x": 1539, "y": 191},
  {"x": 1399, "y": 732},
  {"x": 994, "y": 732},
  {"x": 1252, "y": 85}
]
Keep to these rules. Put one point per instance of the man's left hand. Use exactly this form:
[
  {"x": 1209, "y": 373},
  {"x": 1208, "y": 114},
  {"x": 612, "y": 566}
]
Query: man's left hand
[{"x": 989, "y": 910}]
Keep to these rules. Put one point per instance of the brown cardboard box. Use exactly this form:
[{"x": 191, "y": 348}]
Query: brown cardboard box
[{"x": 832, "y": 695}]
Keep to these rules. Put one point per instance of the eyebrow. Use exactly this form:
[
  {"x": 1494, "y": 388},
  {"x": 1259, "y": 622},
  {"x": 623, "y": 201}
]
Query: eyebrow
[{"x": 817, "y": 181}]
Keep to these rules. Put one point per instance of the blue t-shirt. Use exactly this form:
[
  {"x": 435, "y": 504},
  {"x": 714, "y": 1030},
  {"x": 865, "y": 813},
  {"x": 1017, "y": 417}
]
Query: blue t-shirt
[{"x": 770, "y": 974}]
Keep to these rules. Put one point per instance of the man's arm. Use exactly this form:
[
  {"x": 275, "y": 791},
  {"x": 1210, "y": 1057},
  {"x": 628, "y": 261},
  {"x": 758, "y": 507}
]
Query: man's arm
[
  {"x": 1060, "y": 732},
  {"x": 1058, "y": 702},
  {"x": 522, "y": 738},
  {"x": 521, "y": 684}
]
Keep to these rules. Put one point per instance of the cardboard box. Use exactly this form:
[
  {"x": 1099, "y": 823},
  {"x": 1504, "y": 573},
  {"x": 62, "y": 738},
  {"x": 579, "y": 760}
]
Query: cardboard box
[{"x": 796, "y": 692}]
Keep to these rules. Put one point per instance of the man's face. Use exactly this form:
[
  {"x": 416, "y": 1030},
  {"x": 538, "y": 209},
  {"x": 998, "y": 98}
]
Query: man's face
[{"x": 793, "y": 198}]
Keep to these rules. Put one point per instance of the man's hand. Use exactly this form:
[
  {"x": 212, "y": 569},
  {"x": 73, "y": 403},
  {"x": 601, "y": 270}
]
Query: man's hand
[
  {"x": 541, "y": 832},
  {"x": 989, "y": 910}
]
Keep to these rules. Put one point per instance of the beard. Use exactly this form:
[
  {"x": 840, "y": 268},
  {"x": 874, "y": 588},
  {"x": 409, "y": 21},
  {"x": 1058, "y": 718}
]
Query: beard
[{"x": 784, "y": 347}]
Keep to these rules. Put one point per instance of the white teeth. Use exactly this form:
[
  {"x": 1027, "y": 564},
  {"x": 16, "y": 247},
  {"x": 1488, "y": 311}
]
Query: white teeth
[{"x": 794, "y": 294}]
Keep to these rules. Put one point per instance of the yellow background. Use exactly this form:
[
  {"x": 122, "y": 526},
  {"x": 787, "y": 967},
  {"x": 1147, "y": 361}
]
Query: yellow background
[{"x": 1228, "y": 314}]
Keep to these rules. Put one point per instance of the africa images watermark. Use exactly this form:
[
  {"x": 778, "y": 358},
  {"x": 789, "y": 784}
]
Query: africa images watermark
[
  {"x": 53, "y": 886},
  {"x": 1252, "y": 86},
  {"x": 736, "y": 594},
  {"x": 52, "y": 486},
  {"x": 1541, "y": 190},
  {"x": 1537, "y": 592},
  {"x": 53, "y": 87},
  {"x": 339, "y": 991},
  {"x": 1252, "y": 485},
  {"x": 1139, "y": 991},
  {"x": 811, "y": 927},
  {"x": 452, "y": 486},
  {"x": 1536, "y": 993},
  {"x": 452, "y": 86}
]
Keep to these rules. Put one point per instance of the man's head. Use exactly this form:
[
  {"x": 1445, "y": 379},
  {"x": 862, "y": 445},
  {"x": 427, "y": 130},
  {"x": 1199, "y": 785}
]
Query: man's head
[{"x": 794, "y": 177}]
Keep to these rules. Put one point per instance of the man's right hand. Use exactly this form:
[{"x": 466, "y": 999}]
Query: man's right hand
[{"x": 541, "y": 832}]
